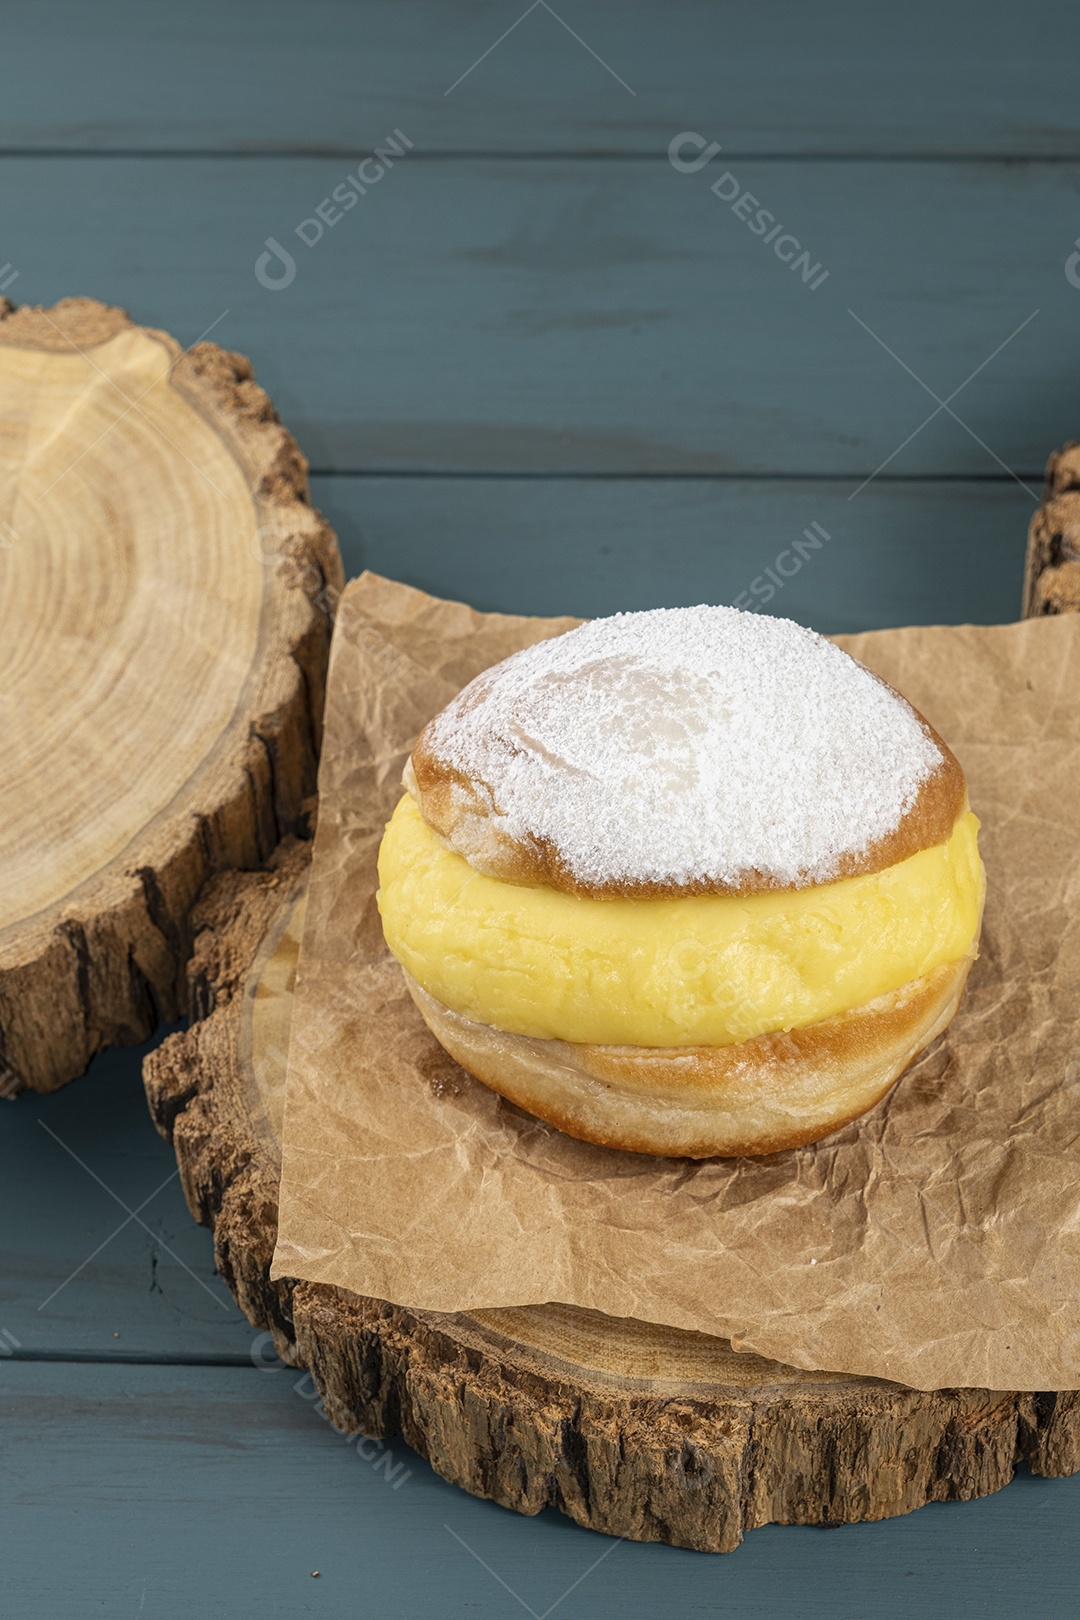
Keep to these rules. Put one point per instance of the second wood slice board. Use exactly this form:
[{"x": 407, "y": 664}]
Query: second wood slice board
[{"x": 166, "y": 596}]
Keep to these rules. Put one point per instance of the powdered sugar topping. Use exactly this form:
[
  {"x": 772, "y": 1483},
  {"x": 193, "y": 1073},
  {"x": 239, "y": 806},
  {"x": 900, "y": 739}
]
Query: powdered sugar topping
[{"x": 690, "y": 745}]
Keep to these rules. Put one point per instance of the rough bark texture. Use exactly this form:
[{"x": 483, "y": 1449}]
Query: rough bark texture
[
  {"x": 489, "y": 1400},
  {"x": 1052, "y": 582},
  {"x": 106, "y": 962}
]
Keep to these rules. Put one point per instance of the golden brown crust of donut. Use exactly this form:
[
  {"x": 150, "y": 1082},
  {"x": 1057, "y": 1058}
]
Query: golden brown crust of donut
[
  {"x": 764, "y": 1095},
  {"x": 463, "y": 811}
]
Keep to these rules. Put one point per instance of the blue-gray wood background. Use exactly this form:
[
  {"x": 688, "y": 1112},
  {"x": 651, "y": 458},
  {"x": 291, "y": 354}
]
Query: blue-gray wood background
[{"x": 539, "y": 366}]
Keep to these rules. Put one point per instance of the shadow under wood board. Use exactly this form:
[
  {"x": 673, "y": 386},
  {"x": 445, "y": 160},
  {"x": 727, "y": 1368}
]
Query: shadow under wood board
[
  {"x": 636, "y": 1430},
  {"x": 164, "y": 614}
]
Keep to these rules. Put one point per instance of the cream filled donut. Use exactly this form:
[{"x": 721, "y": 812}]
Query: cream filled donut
[{"x": 691, "y": 881}]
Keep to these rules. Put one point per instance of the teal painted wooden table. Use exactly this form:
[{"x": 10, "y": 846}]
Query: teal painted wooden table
[{"x": 538, "y": 366}]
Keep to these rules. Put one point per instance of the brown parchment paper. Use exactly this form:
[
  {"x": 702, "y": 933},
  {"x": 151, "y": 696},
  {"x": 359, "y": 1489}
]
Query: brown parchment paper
[{"x": 936, "y": 1241}]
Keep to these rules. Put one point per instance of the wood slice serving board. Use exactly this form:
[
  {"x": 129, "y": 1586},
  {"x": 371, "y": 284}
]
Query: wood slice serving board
[
  {"x": 640, "y": 1431},
  {"x": 637, "y": 1430},
  {"x": 165, "y": 597},
  {"x": 1052, "y": 581}
]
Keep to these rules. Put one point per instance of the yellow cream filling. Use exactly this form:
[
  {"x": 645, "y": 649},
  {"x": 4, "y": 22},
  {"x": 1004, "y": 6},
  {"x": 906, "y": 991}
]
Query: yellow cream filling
[{"x": 704, "y": 970}]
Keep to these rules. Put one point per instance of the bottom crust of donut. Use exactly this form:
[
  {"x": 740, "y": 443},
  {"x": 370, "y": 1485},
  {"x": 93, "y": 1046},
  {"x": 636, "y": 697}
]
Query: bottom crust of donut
[{"x": 763, "y": 1095}]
